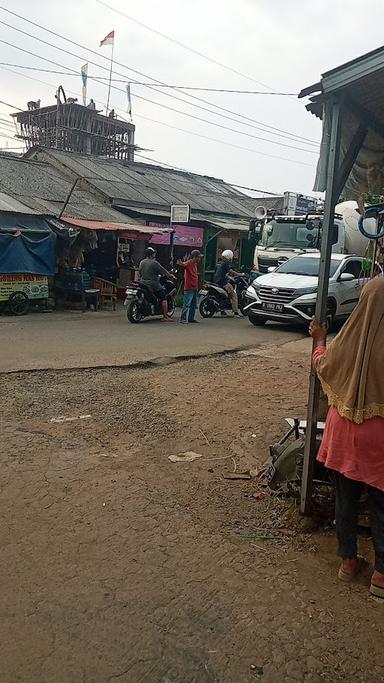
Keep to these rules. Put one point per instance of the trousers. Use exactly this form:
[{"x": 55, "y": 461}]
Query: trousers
[
  {"x": 189, "y": 304},
  {"x": 233, "y": 297},
  {"x": 348, "y": 493}
]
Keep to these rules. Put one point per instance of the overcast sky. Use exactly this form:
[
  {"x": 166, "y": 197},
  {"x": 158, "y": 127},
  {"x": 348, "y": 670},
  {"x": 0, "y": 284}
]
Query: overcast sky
[{"x": 285, "y": 45}]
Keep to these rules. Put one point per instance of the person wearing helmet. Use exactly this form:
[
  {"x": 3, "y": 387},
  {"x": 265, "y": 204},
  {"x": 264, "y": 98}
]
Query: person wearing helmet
[
  {"x": 149, "y": 271},
  {"x": 223, "y": 269},
  {"x": 191, "y": 286}
]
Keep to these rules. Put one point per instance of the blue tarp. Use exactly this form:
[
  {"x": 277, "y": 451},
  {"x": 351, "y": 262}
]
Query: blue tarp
[
  {"x": 24, "y": 223},
  {"x": 23, "y": 255}
]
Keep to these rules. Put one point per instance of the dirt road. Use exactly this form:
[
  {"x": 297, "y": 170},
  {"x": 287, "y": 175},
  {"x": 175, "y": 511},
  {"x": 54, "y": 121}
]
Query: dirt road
[
  {"x": 75, "y": 339},
  {"x": 118, "y": 565}
]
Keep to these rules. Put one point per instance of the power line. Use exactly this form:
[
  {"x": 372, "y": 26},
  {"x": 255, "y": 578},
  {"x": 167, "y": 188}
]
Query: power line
[
  {"x": 227, "y": 144},
  {"x": 164, "y": 106},
  {"x": 182, "y": 130},
  {"x": 166, "y": 85},
  {"x": 288, "y": 135},
  {"x": 242, "y": 187},
  {"x": 58, "y": 35},
  {"x": 10, "y": 105},
  {"x": 183, "y": 45}
]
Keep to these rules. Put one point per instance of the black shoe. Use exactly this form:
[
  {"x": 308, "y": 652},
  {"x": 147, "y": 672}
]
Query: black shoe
[
  {"x": 193, "y": 321},
  {"x": 223, "y": 313}
]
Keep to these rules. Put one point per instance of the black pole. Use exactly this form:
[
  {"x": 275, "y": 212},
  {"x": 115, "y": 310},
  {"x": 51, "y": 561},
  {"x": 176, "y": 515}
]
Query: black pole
[
  {"x": 321, "y": 302},
  {"x": 68, "y": 198}
]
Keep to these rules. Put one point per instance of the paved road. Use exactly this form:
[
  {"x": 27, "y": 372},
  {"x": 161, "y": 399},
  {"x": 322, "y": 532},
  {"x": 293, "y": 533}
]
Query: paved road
[{"x": 75, "y": 339}]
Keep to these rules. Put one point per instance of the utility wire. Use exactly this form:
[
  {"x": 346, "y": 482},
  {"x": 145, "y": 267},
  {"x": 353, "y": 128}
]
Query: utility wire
[
  {"x": 227, "y": 144},
  {"x": 183, "y": 45},
  {"x": 230, "y": 118},
  {"x": 173, "y": 87},
  {"x": 164, "y": 106},
  {"x": 182, "y": 130},
  {"x": 58, "y": 35},
  {"x": 242, "y": 187}
]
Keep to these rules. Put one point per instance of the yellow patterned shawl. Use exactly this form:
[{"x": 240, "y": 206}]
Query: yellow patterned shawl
[{"x": 351, "y": 372}]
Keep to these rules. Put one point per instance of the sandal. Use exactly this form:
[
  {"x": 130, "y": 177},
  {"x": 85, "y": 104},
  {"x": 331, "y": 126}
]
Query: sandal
[
  {"x": 378, "y": 591},
  {"x": 349, "y": 576}
]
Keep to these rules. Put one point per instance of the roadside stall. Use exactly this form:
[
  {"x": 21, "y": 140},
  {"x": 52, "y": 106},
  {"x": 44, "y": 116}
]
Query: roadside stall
[
  {"x": 25, "y": 266},
  {"x": 96, "y": 265},
  {"x": 350, "y": 102}
]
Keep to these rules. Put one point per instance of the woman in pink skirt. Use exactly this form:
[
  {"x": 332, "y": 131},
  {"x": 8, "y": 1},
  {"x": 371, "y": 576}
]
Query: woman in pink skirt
[{"x": 351, "y": 372}]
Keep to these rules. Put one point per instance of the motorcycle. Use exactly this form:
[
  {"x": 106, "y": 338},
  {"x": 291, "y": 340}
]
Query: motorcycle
[
  {"x": 142, "y": 302},
  {"x": 215, "y": 299}
]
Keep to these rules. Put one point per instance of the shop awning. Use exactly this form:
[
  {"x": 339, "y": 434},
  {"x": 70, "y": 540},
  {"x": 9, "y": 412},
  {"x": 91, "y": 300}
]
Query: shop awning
[
  {"x": 229, "y": 224},
  {"x": 115, "y": 227}
]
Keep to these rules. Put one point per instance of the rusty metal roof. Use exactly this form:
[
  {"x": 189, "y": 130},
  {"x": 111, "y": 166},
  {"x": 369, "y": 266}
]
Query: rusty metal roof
[
  {"x": 34, "y": 187},
  {"x": 152, "y": 186}
]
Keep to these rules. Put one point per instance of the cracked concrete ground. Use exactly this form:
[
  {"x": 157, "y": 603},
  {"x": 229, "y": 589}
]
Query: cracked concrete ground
[{"x": 120, "y": 566}]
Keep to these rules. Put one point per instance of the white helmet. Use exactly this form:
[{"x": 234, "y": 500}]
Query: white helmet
[{"x": 227, "y": 255}]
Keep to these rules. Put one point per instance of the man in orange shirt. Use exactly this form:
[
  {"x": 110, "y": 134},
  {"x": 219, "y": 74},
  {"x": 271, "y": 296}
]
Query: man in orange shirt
[{"x": 191, "y": 286}]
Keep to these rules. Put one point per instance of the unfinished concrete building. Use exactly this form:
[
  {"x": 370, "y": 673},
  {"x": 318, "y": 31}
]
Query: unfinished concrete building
[{"x": 71, "y": 127}]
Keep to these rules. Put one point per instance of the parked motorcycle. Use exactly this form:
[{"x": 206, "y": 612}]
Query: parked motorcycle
[
  {"x": 142, "y": 302},
  {"x": 215, "y": 299}
]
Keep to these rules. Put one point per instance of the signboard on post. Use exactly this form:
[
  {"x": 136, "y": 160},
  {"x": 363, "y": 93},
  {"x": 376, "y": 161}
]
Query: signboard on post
[{"x": 180, "y": 213}]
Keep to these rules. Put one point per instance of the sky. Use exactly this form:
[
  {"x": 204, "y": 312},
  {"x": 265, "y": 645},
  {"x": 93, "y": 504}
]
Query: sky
[{"x": 267, "y": 45}]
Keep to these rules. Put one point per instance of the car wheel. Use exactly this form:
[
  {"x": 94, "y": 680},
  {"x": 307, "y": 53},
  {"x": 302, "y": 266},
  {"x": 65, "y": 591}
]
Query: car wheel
[{"x": 256, "y": 319}]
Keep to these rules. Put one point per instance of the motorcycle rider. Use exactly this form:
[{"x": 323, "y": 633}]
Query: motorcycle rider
[
  {"x": 149, "y": 271},
  {"x": 223, "y": 270}
]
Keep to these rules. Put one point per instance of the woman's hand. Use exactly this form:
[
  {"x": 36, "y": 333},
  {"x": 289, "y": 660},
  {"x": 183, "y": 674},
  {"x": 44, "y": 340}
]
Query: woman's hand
[{"x": 318, "y": 332}]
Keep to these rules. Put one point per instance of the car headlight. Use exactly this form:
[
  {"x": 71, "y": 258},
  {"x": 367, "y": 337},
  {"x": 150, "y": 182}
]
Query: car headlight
[
  {"x": 251, "y": 292},
  {"x": 305, "y": 290},
  {"x": 255, "y": 285}
]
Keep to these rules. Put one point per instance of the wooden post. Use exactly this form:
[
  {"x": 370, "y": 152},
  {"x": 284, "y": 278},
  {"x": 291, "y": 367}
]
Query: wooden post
[
  {"x": 68, "y": 197},
  {"x": 321, "y": 303}
]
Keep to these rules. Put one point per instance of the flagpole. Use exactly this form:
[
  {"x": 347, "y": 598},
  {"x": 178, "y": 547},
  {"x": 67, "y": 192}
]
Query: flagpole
[{"x": 110, "y": 74}]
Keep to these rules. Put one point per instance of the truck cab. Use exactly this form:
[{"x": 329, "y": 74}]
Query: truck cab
[{"x": 283, "y": 237}]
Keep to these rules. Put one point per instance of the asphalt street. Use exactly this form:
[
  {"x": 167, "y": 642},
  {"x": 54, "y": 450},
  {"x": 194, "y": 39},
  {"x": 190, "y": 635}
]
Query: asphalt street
[{"x": 73, "y": 339}]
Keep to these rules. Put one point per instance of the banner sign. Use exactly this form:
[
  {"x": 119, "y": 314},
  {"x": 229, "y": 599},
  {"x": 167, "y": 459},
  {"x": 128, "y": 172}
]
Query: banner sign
[
  {"x": 185, "y": 236},
  {"x": 298, "y": 204},
  {"x": 34, "y": 286}
]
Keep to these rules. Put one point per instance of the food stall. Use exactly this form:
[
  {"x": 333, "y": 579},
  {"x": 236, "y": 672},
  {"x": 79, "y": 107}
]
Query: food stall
[{"x": 25, "y": 266}]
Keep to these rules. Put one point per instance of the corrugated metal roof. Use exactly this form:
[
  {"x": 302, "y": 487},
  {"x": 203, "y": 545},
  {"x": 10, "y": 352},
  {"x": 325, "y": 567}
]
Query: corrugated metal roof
[
  {"x": 154, "y": 186},
  {"x": 35, "y": 187},
  {"x": 360, "y": 81},
  {"x": 8, "y": 203}
]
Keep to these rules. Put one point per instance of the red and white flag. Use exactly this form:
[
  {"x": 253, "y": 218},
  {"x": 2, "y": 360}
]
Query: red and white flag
[{"x": 109, "y": 39}]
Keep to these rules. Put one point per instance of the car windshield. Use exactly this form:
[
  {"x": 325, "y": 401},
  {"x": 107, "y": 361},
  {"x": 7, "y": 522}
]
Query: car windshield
[
  {"x": 306, "y": 265},
  {"x": 296, "y": 235}
]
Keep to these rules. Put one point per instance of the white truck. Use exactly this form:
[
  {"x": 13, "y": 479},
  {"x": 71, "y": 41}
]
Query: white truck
[{"x": 283, "y": 237}]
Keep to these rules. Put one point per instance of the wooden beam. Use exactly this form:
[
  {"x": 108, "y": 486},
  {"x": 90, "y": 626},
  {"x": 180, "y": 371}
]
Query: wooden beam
[
  {"x": 365, "y": 117},
  {"x": 349, "y": 159}
]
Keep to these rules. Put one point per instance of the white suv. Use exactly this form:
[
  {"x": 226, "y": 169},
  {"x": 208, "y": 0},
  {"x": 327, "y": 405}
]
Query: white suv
[{"x": 288, "y": 294}]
